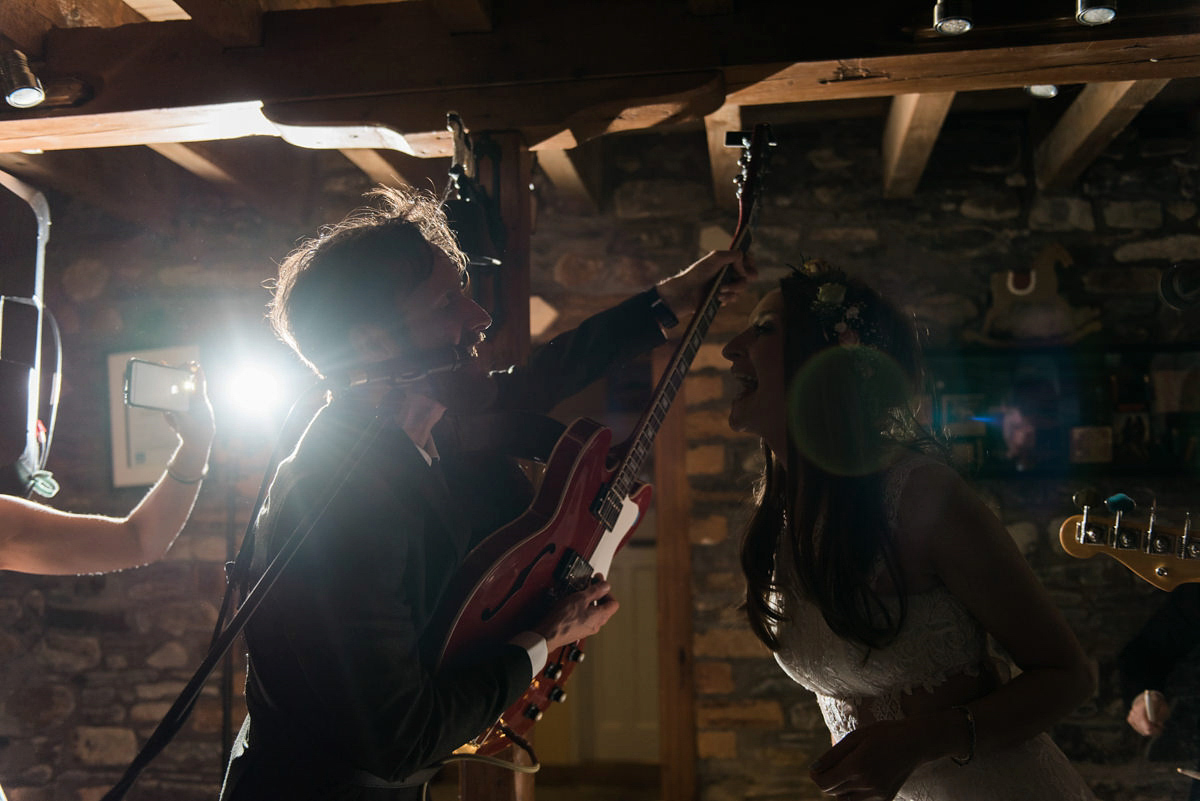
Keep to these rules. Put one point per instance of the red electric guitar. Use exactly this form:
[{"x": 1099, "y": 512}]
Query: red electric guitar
[{"x": 582, "y": 514}]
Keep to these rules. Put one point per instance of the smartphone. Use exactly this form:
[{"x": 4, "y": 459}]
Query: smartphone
[{"x": 156, "y": 386}]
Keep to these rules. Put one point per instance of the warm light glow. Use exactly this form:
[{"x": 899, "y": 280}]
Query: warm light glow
[{"x": 252, "y": 391}]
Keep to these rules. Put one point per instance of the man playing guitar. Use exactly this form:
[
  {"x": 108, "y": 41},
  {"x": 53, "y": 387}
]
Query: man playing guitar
[{"x": 345, "y": 696}]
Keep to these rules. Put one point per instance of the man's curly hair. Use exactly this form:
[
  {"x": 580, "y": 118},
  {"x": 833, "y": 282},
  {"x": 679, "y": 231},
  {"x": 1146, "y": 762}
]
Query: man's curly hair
[{"x": 353, "y": 273}]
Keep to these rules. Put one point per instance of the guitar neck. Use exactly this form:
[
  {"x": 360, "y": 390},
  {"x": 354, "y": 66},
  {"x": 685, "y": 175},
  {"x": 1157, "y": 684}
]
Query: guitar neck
[{"x": 660, "y": 402}]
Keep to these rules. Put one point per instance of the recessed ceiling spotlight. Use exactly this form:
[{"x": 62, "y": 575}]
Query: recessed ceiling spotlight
[
  {"x": 1095, "y": 12},
  {"x": 1042, "y": 90},
  {"x": 952, "y": 17},
  {"x": 21, "y": 87}
]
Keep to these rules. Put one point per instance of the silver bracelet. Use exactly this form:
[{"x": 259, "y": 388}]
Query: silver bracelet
[{"x": 176, "y": 477}]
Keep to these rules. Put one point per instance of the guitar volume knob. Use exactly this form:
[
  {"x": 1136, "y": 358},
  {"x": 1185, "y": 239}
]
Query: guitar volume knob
[
  {"x": 553, "y": 671},
  {"x": 558, "y": 695},
  {"x": 533, "y": 713}
]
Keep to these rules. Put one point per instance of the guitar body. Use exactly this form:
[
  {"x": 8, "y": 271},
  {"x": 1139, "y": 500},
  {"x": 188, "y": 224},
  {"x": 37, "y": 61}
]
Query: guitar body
[{"x": 508, "y": 582}]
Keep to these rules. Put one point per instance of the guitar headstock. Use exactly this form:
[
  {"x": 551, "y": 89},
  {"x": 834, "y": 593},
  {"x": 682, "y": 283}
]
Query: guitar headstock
[
  {"x": 756, "y": 146},
  {"x": 1165, "y": 556}
]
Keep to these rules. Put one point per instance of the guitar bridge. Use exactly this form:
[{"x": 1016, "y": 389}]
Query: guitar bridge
[{"x": 573, "y": 573}]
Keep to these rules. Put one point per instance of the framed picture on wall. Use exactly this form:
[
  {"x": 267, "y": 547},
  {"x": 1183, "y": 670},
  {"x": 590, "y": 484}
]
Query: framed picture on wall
[{"x": 142, "y": 442}]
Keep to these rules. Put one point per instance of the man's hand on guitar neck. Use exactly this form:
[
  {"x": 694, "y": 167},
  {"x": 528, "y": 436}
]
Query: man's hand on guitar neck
[
  {"x": 684, "y": 291},
  {"x": 578, "y": 615}
]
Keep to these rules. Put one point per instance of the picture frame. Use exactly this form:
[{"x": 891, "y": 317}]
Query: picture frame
[{"x": 142, "y": 440}]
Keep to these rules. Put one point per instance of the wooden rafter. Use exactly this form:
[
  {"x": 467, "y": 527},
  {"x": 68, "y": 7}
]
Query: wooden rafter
[
  {"x": 391, "y": 168},
  {"x": 233, "y": 24},
  {"x": 465, "y": 16},
  {"x": 913, "y": 124},
  {"x": 561, "y": 167},
  {"x": 1093, "y": 120}
]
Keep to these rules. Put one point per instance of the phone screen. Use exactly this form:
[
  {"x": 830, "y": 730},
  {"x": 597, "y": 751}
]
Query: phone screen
[{"x": 157, "y": 386}]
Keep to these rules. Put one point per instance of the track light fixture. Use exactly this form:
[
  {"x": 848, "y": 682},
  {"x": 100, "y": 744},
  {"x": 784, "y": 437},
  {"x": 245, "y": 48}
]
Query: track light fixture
[
  {"x": 1095, "y": 12},
  {"x": 952, "y": 17},
  {"x": 21, "y": 87},
  {"x": 1042, "y": 91}
]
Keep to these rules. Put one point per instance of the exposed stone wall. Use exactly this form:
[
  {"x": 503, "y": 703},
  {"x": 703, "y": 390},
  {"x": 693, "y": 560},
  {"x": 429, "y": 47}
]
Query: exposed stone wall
[{"x": 89, "y": 664}]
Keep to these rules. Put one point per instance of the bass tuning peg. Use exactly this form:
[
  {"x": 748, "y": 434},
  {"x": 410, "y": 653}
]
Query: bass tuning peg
[
  {"x": 1120, "y": 503},
  {"x": 1088, "y": 498}
]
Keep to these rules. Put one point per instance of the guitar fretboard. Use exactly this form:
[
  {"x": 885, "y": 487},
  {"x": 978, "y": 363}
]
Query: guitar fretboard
[{"x": 664, "y": 395}]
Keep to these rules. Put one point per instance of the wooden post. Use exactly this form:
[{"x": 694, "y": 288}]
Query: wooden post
[
  {"x": 676, "y": 666},
  {"x": 508, "y": 343}
]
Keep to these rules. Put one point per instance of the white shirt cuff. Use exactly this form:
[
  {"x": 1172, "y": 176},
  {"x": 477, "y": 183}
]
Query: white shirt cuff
[{"x": 535, "y": 648}]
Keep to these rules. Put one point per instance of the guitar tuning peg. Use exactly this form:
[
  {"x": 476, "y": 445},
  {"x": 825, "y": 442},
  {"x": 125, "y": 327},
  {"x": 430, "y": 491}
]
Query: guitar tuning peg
[
  {"x": 1120, "y": 503},
  {"x": 1088, "y": 498}
]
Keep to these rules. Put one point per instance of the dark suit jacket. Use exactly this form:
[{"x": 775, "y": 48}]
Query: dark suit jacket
[{"x": 342, "y": 683}]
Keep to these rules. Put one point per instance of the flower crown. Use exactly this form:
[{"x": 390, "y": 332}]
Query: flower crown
[{"x": 840, "y": 322}]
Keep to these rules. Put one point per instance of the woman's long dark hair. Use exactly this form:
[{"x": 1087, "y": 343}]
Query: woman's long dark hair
[{"x": 852, "y": 364}]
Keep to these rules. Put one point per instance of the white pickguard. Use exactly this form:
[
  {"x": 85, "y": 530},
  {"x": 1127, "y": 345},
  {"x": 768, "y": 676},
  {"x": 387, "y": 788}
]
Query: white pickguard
[{"x": 601, "y": 559}]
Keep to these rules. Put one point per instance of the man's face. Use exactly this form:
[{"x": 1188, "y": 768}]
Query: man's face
[{"x": 439, "y": 312}]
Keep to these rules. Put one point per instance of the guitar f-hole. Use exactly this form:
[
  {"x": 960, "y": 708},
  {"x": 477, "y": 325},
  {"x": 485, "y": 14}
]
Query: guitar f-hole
[{"x": 491, "y": 612}]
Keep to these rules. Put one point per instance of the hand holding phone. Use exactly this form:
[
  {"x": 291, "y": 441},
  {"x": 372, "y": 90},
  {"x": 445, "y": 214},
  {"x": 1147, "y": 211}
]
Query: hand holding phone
[{"x": 150, "y": 385}]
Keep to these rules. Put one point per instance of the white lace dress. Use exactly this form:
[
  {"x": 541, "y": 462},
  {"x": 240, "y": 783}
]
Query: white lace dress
[{"x": 940, "y": 639}]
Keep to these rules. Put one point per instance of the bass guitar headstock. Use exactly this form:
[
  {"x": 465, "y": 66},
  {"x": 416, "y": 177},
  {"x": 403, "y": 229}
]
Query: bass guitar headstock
[{"x": 1162, "y": 555}]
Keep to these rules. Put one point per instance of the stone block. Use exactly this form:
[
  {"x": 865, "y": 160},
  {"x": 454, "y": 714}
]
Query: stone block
[
  {"x": 709, "y": 530},
  {"x": 729, "y": 644},
  {"x": 150, "y": 712},
  {"x": 705, "y": 460},
  {"x": 170, "y": 655},
  {"x": 708, "y": 356},
  {"x": 1180, "y": 247},
  {"x": 1061, "y": 214},
  {"x": 717, "y": 745},
  {"x": 756, "y": 714},
  {"x": 66, "y": 653},
  {"x": 42, "y": 706},
  {"x": 104, "y": 745},
  {"x": 1133, "y": 214},
  {"x": 714, "y": 678},
  {"x": 699, "y": 389},
  {"x": 642, "y": 199},
  {"x": 992, "y": 206}
]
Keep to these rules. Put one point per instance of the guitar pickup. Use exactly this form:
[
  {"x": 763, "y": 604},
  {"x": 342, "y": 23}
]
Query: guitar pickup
[{"x": 573, "y": 573}]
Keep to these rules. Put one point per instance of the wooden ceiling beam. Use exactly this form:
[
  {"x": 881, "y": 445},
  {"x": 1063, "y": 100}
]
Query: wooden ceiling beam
[
  {"x": 158, "y": 10},
  {"x": 26, "y": 22},
  {"x": 722, "y": 160},
  {"x": 391, "y": 168},
  {"x": 1097, "y": 115},
  {"x": 233, "y": 24},
  {"x": 465, "y": 16},
  {"x": 175, "y": 64},
  {"x": 572, "y": 174},
  {"x": 913, "y": 125},
  {"x": 561, "y": 93}
]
